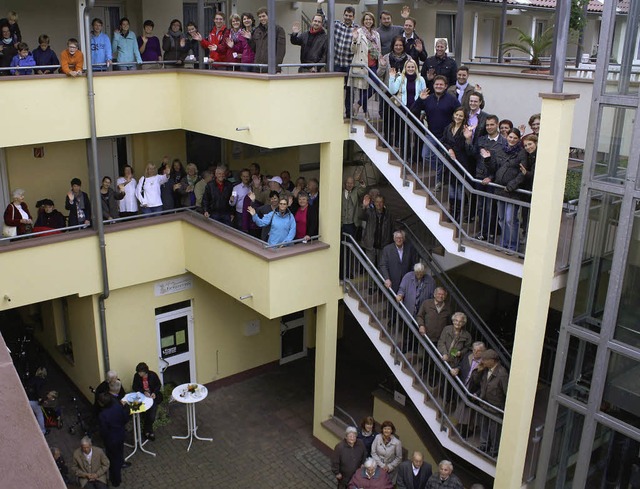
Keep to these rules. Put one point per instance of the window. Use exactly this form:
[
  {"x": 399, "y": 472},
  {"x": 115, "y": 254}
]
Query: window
[{"x": 445, "y": 27}]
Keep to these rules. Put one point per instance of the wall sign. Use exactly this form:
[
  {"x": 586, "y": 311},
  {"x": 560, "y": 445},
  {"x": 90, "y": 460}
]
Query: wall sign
[{"x": 173, "y": 285}]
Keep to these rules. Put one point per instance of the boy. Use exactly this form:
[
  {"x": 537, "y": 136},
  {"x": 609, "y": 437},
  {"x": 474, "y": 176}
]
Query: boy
[
  {"x": 23, "y": 58},
  {"x": 44, "y": 56},
  {"x": 71, "y": 59}
]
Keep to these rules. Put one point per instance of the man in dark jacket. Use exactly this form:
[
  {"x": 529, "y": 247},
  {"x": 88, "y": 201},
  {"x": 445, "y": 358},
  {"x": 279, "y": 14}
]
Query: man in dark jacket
[
  {"x": 217, "y": 198},
  {"x": 260, "y": 38},
  {"x": 378, "y": 232},
  {"x": 113, "y": 418},
  {"x": 313, "y": 44},
  {"x": 414, "y": 473},
  {"x": 490, "y": 381},
  {"x": 439, "y": 107},
  {"x": 348, "y": 456},
  {"x": 440, "y": 64},
  {"x": 398, "y": 259}
]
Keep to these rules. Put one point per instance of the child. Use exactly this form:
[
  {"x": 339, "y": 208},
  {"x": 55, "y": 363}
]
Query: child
[
  {"x": 23, "y": 58},
  {"x": 71, "y": 59},
  {"x": 44, "y": 56}
]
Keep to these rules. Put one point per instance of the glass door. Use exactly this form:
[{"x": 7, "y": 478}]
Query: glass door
[{"x": 176, "y": 346}]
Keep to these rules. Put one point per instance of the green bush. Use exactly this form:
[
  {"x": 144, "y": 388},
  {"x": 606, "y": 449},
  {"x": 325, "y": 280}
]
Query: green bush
[{"x": 572, "y": 185}]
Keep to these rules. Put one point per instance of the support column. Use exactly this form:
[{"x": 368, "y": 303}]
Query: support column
[
  {"x": 551, "y": 168},
  {"x": 327, "y": 318}
]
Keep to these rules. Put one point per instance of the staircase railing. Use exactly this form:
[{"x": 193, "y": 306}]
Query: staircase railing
[
  {"x": 476, "y": 326},
  {"x": 458, "y": 410},
  {"x": 458, "y": 194}
]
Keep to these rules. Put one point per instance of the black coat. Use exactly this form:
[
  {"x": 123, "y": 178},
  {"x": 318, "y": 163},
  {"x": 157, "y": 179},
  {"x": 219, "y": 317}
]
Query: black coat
[
  {"x": 154, "y": 385},
  {"x": 464, "y": 152},
  {"x": 72, "y": 207},
  {"x": 504, "y": 169},
  {"x": 215, "y": 202},
  {"x": 113, "y": 419},
  {"x": 312, "y": 218},
  {"x": 313, "y": 47},
  {"x": 446, "y": 67}
]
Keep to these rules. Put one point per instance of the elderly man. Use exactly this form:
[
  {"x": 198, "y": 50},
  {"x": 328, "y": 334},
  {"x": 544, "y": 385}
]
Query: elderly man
[
  {"x": 445, "y": 478},
  {"x": 90, "y": 465},
  {"x": 415, "y": 288},
  {"x": 370, "y": 476},
  {"x": 111, "y": 376},
  {"x": 397, "y": 260},
  {"x": 348, "y": 456},
  {"x": 274, "y": 183},
  {"x": 465, "y": 372},
  {"x": 378, "y": 227},
  {"x": 216, "y": 201},
  {"x": 351, "y": 198},
  {"x": 455, "y": 341},
  {"x": 434, "y": 315},
  {"x": 414, "y": 473},
  {"x": 491, "y": 381}
]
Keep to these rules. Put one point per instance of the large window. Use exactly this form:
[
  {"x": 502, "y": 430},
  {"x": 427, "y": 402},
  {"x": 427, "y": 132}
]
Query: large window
[{"x": 445, "y": 27}]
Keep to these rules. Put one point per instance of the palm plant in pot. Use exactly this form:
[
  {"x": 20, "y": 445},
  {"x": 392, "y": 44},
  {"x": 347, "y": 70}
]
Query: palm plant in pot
[{"x": 534, "y": 47}]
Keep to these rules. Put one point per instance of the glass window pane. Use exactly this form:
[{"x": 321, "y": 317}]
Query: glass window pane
[
  {"x": 597, "y": 255},
  {"x": 621, "y": 397},
  {"x": 566, "y": 442},
  {"x": 622, "y": 75},
  {"x": 578, "y": 370},
  {"x": 614, "y": 460},
  {"x": 614, "y": 144},
  {"x": 628, "y": 322}
]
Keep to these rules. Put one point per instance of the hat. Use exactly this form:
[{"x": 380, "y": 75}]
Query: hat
[
  {"x": 490, "y": 355},
  {"x": 276, "y": 179}
]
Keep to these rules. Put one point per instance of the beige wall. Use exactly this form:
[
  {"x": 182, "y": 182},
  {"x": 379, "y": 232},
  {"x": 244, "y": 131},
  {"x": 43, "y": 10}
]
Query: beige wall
[
  {"x": 218, "y": 331},
  {"x": 153, "y": 146}
]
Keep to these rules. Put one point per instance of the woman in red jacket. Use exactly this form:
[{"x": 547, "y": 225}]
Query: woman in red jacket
[{"x": 17, "y": 215}]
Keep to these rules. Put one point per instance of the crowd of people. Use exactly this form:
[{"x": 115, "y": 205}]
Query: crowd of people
[
  {"x": 366, "y": 219},
  {"x": 271, "y": 208},
  {"x": 367, "y": 459}
]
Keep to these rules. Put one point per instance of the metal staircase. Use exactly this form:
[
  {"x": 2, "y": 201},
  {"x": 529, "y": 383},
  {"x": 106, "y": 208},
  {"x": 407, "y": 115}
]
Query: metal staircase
[{"x": 439, "y": 396}]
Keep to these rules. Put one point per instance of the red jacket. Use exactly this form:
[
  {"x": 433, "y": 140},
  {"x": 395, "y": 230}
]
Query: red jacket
[
  {"x": 217, "y": 38},
  {"x": 12, "y": 217}
]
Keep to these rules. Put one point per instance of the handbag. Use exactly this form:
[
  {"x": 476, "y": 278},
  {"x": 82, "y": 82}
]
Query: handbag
[{"x": 9, "y": 231}]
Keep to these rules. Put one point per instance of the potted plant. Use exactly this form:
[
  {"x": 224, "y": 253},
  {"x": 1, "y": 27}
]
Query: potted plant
[{"x": 534, "y": 47}]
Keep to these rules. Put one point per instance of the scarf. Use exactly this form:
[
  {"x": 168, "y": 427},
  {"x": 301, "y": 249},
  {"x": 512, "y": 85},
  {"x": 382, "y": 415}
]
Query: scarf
[
  {"x": 175, "y": 37},
  {"x": 370, "y": 38},
  {"x": 511, "y": 149},
  {"x": 313, "y": 31},
  {"x": 411, "y": 88}
]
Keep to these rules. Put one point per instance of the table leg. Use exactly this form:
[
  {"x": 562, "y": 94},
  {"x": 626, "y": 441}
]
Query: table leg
[
  {"x": 137, "y": 438},
  {"x": 195, "y": 426},
  {"x": 192, "y": 428},
  {"x": 143, "y": 443}
]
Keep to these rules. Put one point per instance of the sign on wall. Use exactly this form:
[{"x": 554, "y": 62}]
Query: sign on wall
[{"x": 173, "y": 285}]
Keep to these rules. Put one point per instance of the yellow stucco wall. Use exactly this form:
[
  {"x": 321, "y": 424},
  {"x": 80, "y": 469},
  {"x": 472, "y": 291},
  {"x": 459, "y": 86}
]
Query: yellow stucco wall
[{"x": 218, "y": 331}]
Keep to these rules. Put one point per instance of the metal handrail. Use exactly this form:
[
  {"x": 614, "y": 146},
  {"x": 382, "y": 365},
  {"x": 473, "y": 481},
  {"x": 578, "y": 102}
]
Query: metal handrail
[
  {"x": 405, "y": 314},
  {"x": 346, "y": 414},
  {"x": 43, "y": 233},
  {"x": 487, "y": 412},
  {"x": 488, "y": 337}
]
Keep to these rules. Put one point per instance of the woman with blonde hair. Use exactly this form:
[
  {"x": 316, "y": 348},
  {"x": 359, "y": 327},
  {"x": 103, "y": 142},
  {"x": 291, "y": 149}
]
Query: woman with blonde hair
[
  {"x": 148, "y": 189},
  {"x": 405, "y": 88},
  {"x": 367, "y": 49}
]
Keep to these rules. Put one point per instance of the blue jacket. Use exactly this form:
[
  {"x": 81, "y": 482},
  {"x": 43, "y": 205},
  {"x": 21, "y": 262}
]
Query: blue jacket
[
  {"x": 45, "y": 58},
  {"x": 399, "y": 83},
  {"x": 283, "y": 227},
  {"x": 100, "y": 49},
  {"x": 126, "y": 48},
  {"x": 18, "y": 61}
]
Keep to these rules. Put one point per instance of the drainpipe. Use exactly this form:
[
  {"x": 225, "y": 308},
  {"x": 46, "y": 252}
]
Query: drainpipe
[{"x": 94, "y": 177}]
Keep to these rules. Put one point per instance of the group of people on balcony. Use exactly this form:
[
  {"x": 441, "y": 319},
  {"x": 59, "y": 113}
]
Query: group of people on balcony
[
  {"x": 368, "y": 459},
  {"x": 271, "y": 208}
]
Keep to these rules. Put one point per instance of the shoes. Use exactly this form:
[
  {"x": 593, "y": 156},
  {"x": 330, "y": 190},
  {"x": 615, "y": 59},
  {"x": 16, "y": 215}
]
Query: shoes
[
  {"x": 438, "y": 186},
  {"x": 480, "y": 237},
  {"x": 509, "y": 252},
  {"x": 150, "y": 436},
  {"x": 126, "y": 465}
]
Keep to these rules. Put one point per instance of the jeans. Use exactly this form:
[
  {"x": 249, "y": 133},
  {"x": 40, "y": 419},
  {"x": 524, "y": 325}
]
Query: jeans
[
  {"x": 508, "y": 219},
  {"x": 37, "y": 410},
  {"x": 487, "y": 211},
  {"x": 126, "y": 67},
  {"x": 434, "y": 163},
  {"x": 150, "y": 210}
]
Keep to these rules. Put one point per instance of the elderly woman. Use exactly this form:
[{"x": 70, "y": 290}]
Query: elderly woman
[
  {"x": 386, "y": 450},
  {"x": 455, "y": 342},
  {"x": 347, "y": 457},
  {"x": 281, "y": 220},
  {"x": 370, "y": 476},
  {"x": 415, "y": 288},
  {"x": 185, "y": 192},
  {"x": 366, "y": 48},
  {"x": 17, "y": 219}
]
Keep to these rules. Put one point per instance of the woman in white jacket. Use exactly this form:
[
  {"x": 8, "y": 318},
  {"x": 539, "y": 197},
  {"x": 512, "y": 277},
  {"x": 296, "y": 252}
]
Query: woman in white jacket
[
  {"x": 148, "y": 189},
  {"x": 386, "y": 450},
  {"x": 129, "y": 204}
]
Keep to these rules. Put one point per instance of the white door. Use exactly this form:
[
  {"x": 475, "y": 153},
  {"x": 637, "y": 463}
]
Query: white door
[
  {"x": 176, "y": 350},
  {"x": 293, "y": 337}
]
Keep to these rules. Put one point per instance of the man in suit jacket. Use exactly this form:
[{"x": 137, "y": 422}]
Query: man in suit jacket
[
  {"x": 90, "y": 465},
  {"x": 414, "y": 473},
  {"x": 397, "y": 260}
]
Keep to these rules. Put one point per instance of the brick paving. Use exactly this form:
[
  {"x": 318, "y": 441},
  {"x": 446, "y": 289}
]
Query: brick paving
[{"x": 262, "y": 438}]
